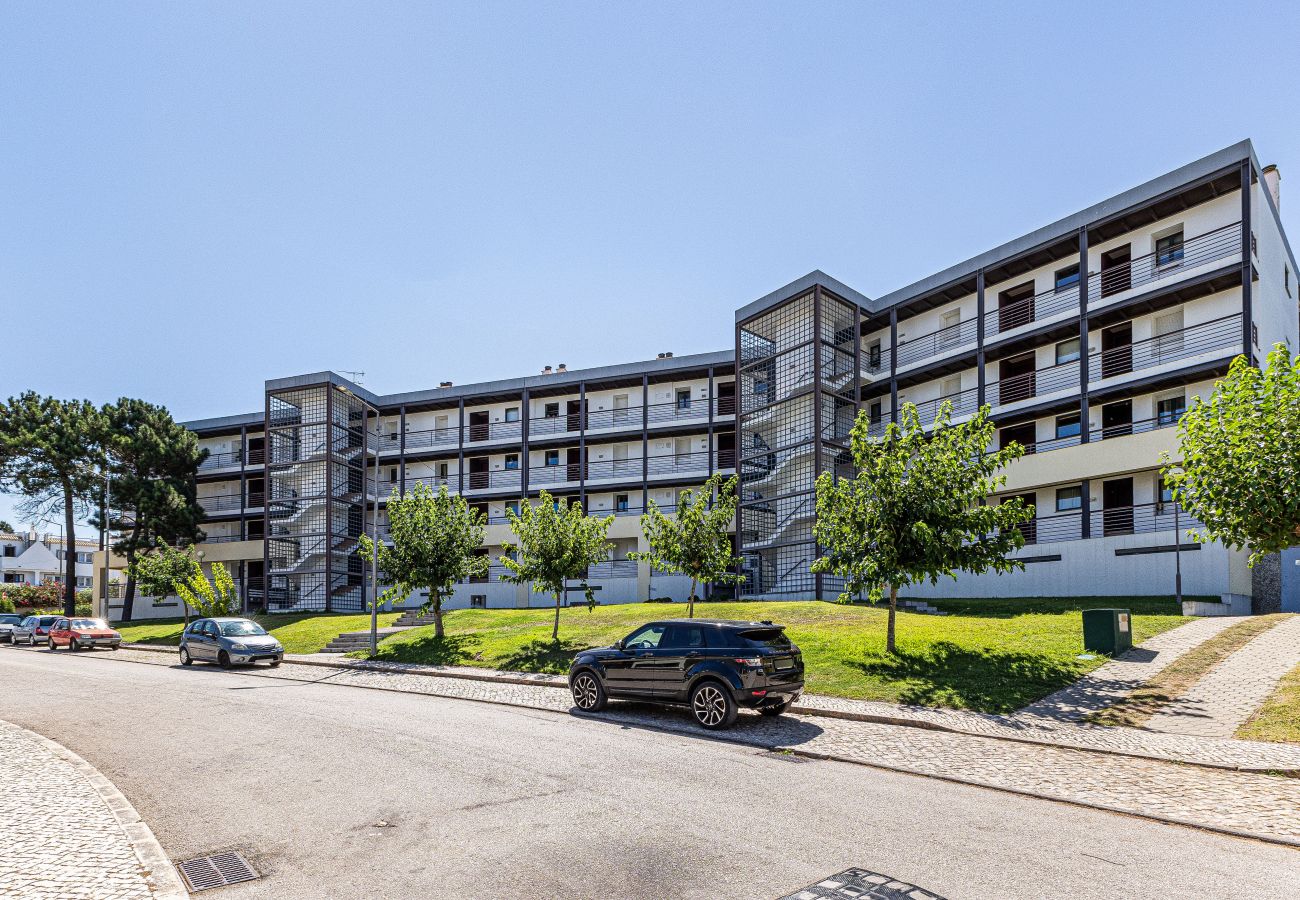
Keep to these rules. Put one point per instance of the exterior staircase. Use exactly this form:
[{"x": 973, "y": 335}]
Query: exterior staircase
[
  {"x": 356, "y": 640},
  {"x": 412, "y": 618},
  {"x": 920, "y": 606}
]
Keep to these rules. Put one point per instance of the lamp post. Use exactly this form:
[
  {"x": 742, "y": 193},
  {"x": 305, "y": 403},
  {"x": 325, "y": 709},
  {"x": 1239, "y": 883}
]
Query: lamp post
[{"x": 1178, "y": 549}]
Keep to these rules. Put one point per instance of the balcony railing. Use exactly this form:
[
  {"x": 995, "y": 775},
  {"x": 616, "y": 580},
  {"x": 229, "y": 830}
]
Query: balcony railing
[
  {"x": 963, "y": 402},
  {"x": 937, "y": 343},
  {"x": 1221, "y": 243},
  {"x": 1143, "y": 518},
  {"x": 613, "y": 568},
  {"x": 221, "y": 502},
  {"x": 499, "y": 478},
  {"x": 1031, "y": 309},
  {"x": 221, "y": 460},
  {"x": 419, "y": 440},
  {"x": 1218, "y": 334},
  {"x": 1037, "y": 383}
]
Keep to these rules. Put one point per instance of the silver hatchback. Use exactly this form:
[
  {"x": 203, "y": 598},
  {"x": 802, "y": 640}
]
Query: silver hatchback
[{"x": 228, "y": 642}]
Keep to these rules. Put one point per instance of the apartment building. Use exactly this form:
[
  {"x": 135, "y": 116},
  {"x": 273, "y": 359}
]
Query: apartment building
[
  {"x": 1087, "y": 338},
  {"x": 35, "y": 558}
]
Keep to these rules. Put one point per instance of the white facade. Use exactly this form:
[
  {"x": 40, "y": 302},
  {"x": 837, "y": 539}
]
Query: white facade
[{"x": 35, "y": 558}]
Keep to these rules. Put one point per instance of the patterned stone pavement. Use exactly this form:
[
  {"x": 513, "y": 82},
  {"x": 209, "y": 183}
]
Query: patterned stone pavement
[
  {"x": 1262, "y": 806},
  {"x": 68, "y": 834},
  {"x": 1218, "y": 704}
]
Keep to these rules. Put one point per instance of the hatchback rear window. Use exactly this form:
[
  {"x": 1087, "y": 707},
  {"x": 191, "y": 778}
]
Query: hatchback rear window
[
  {"x": 771, "y": 638},
  {"x": 47, "y": 620},
  {"x": 10, "y": 620}
]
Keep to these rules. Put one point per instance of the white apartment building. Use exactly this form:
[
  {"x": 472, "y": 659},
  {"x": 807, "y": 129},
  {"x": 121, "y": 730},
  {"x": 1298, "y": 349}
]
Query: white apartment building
[
  {"x": 1087, "y": 338},
  {"x": 35, "y": 558}
]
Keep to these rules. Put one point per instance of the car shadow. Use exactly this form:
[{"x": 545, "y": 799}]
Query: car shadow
[{"x": 750, "y": 728}]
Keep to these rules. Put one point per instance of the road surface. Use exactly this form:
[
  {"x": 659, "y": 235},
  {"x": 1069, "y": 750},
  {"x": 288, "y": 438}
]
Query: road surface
[{"x": 479, "y": 800}]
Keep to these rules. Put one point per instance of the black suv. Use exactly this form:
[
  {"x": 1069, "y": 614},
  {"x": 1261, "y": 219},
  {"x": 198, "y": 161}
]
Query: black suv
[{"x": 715, "y": 667}]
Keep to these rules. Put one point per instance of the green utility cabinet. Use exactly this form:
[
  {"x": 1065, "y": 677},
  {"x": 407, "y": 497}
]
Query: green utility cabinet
[{"x": 1107, "y": 631}]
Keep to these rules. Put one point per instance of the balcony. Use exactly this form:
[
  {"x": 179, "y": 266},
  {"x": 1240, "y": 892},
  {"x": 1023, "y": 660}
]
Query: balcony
[
  {"x": 613, "y": 568},
  {"x": 221, "y": 503},
  {"x": 1037, "y": 383},
  {"x": 1167, "y": 265},
  {"x": 221, "y": 461},
  {"x": 1219, "y": 334},
  {"x": 498, "y": 479},
  {"x": 1143, "y": 518},
  {"x": 935, "y": 344},
  {"x": 420, "y": 440},
  {"x": 963, "y": 403}
]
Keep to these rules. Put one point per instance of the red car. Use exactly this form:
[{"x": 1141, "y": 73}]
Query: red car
[{"x": 77, "y": 633}]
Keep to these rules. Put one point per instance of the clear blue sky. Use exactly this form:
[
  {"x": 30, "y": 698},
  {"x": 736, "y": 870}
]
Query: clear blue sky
[{"x": 197, "y": 197}]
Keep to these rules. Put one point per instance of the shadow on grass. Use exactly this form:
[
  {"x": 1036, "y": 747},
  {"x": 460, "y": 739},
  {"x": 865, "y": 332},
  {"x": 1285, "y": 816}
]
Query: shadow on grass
[
  {"x": 946, "y": 674},
  {"x": 449, "y": 650},
  {"x": 998, "y": 608},
  {"x": 549, "y": 657}
]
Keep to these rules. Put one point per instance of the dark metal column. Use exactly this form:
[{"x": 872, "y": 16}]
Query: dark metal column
[
  {"x": 893, "y": 364},
  {"x": 645, "y": 442},
  {"x": 979, "y": 339},
  {"x": 857, "y": 361},
  {"x": 523, "y": 455},
  {"x": 401, "y": 451},
  {"x": 460, "y": 447},
  {"x": 267, "y": 447},
  {"x": 711, "y": 402},
  {"x": 1247, "y": 300},
  {"x": 329, "y": 493},
  {"x": 1086, "y": 509},
  {"x": 243, "y": 492},
  {"x": 582, "y": 444},
  {"x": 1084, "y": 364}
]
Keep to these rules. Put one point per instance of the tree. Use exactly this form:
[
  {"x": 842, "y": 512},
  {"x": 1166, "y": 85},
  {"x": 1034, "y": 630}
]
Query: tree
[
  {"x": 50, "y": 454},
  {"x": 5, "y": 527},
  {"x": 436, "y": 538},
  {"x": 218, "y": 597},
  {"x": 153, "y": 462},
  {"x": 163, "y": 571},
  {"x": 697, "y": 542},
  {"x": 1240, "y": 473},
  {"x": 557, "y": 542},
  {"x": 916, "y": 510}
]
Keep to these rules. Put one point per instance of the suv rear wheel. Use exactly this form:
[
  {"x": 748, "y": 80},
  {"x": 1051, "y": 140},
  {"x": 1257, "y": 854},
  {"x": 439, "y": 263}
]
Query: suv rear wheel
[
  {"x": 713, "y": 706},
  {"x": 588, "y": 695}
]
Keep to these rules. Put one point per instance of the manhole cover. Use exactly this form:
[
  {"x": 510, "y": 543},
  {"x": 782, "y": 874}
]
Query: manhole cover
[
  {"x": 217, "y": 870},
  {"x": 864, "y": 884}
]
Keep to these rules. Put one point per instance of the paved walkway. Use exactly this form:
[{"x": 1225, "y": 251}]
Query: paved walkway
[
  {"x": 1218, "y": 704},
  {"x": 1262, "y": 806},
  {"x": 68, "y": 833}
]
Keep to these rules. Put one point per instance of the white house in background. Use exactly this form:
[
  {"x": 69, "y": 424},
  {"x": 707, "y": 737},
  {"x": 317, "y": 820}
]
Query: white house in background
[{"x": 33, "y": 558}]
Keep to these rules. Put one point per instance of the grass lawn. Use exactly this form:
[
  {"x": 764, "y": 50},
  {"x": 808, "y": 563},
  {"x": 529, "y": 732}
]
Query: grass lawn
[
  {"x": 1174, "y": 681},
  {"x": 299, "y": 632},
  {"x": 990, "y": 655},
  {"x": 1279, "y": 718}
]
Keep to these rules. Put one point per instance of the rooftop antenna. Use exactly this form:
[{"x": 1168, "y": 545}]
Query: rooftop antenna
[{"x": 354, "y": 377}]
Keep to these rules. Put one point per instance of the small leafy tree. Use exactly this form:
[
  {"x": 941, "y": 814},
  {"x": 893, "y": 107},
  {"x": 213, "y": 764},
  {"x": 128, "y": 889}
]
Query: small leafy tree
[
  {"x": 557, "y": 542},
  {"x": 218, "y": 597},
  {"x": 916, "y": 509},
  {"x": 435, "y": 542},
  {"x": 1240, "y": 472},
  {"x": 5, "y": 527},
  {"x": 165, "y": 570},
  {"x": 696, "y": 543}
]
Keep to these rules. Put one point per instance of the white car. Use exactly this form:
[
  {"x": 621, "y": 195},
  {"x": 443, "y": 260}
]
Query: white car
[{"x": 8, "y": 621}]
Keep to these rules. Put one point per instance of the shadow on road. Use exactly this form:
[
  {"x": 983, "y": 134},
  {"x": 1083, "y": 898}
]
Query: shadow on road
[{"x": 750, "y": 728}]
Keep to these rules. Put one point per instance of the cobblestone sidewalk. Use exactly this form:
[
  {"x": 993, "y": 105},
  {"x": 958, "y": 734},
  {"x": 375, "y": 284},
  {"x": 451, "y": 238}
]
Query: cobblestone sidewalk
[
  {"x": 68, "y": 833},
  {"x": 1218, "y": 704},
  {"x": 1262, "y": 806}
]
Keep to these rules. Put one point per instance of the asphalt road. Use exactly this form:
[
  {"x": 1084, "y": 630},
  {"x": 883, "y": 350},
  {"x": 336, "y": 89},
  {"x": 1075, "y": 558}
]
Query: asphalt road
[{"x": 487, "y": 801}]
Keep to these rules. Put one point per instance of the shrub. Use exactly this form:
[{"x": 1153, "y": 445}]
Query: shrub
[
  {"x": 32, "y": 596},
  {"x": 6, "y": 605}
]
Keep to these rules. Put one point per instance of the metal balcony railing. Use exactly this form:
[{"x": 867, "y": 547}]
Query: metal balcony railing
[
  {"x": 1037, "y": 383},
  {"x": 1030, "y": 309},
  {"x": 937, "y": 343},
  {"x": 1218, "y": 334},
  {"x": 499, "y": 478},
  {"x": 1221, "y": 243},
  {"x": 221, "y": 460},
  {"x": 613, "y": 568},
  {"x": 221, "y": 502},
  {"x": 963, "y": 402},
  {"x": 1143, "y": 518}
]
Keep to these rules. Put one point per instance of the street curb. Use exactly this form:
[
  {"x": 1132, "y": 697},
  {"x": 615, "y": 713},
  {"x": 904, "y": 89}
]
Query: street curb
[
  {"x": 159, "y": 871},
  {"x": 1280, "y": 840},
  {"x": 554, "y": 681}
]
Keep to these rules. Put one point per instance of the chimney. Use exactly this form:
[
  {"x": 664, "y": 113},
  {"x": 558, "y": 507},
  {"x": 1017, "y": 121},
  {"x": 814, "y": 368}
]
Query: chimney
[
  {"x": 1273, "y": 181},
  {"x": 546, "y": 370},
  {"x": 444, "y": 384},
  {"x": 664, "y": 356},
  {"x": 561, "y": 368}
]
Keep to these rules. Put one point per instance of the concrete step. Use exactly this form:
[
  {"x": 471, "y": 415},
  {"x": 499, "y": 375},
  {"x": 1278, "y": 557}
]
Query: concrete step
[{"x": 920, "y": 606}]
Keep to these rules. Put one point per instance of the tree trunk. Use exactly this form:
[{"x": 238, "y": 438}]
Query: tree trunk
[
  {"x": 555, "y": 630},
  {"x": 893, "y": 609},
  {"x": 437, "y": 616},
  {"x": 690, "y": 602},
  {"x": 129, "y": 598},
  {"x": 70, "y": 554}
]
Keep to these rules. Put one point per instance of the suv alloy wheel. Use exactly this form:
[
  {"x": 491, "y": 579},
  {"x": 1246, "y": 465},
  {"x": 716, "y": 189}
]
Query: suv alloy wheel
[
  {"x": 588, "y": 695},
  {"x": 713, "y": 706}
]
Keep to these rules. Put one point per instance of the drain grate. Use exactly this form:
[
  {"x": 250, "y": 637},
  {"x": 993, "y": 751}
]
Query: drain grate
[
  {"x": 862, "y": 884},
  {"x": 217, "y": 870}
]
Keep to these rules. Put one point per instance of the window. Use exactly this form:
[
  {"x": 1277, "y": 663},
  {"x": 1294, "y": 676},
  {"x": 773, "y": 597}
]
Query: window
[
  {"x": 1164, "y": 494},
  {"x": 951, "y": 332},
  {"x": 1169, "y": 249},
  {"x": 684, "y": 637},
  {"x": 950, "y": 386},
  {"x": 1067, "y": 277},
  {"x": 1069, "y": 498},
  {"x": 552, "y": 411},
  {"x": 1067, "y": 351},
  {"x": 13, "y": 578},
  {"x": 10, "y": 550},
  {"x": 442, "y": 470},
  {"x": 684, "y": 398},
  {"x": 1168, "y": 333},
  {"x": 621, "y": 502},
  {"x": 84, "y": 581},
  {"x": 478, "y": 601},
  {"x": 1286, "y": 279},
  {"x": 875, "y": 412},
  {"x": 873, "y": 355},
  {"x": 760, "y": 386},
  {"x": 1067, "y": 426},
  {"x": 620, "y": 408},
  {"x": 84, "y": 557},
  {"x": 1170, "y": 409},
  {"x": 512, "y": 461},
  {"x": 646, "y": 638},
  {"x": 512, "y": 414},
  {"x": 552, "y": 457},
  {"x": 513, "y": 506},
  {"x": 392, "y": 475}
]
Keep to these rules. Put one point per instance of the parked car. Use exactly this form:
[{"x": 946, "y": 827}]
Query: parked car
[
  {"x": 8, "y": 621},
  {"x": 228, "y": 642},
  {"x": 714, "y": 667},
  {"x": 81, "y": 633},
  {"x": 33, "y": 629}
]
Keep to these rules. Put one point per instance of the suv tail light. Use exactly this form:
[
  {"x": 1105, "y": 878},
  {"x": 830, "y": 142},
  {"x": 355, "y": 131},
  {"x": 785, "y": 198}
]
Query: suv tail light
[{"x": 755, "y": 661}]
